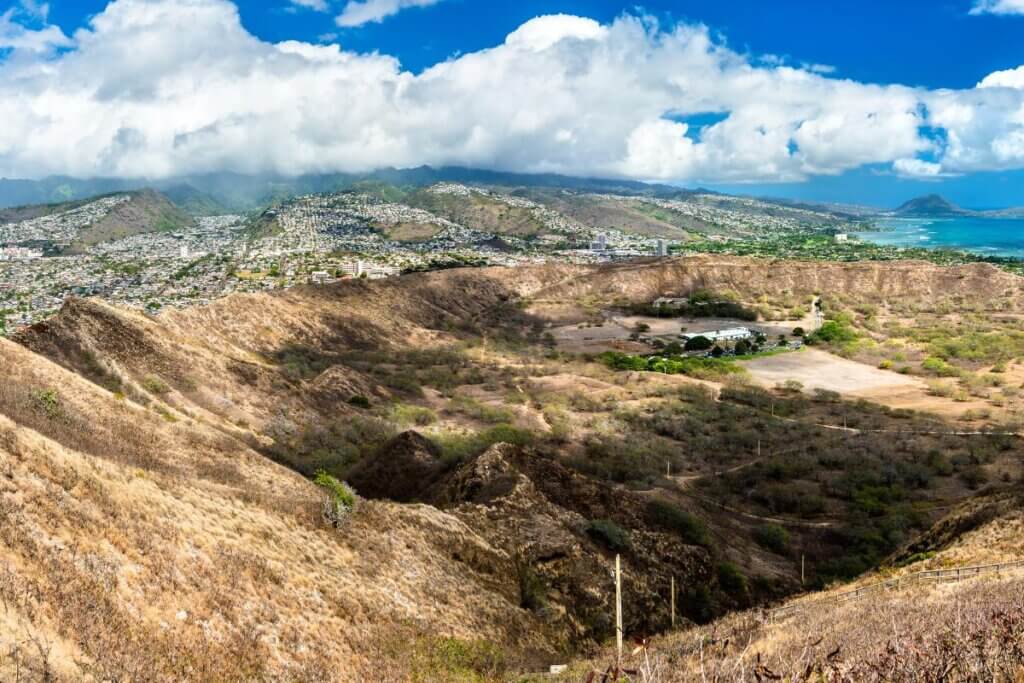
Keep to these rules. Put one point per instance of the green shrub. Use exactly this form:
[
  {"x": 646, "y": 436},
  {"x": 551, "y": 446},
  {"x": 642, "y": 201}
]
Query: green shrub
[
  {"x": 609, "y": 534},
  {"x": 834, "y": 332},
  {"x": 915, "y": 558},
  {"x": 668, "y": 516},
  {"x": 732, "y": 580},
  {"x": 456, "y": 447},
  {"x": 48, "y": 402},
  {"x": 413, "y": 415},
  {"x": 334, "y": 446},
  {"x": 456, "y": 660},
  {"x": 359, "y": 402},
  {"x": 155, "y": 385},
  {"x": 938, "y": 366},
  {"x": 342, "y": 499},
  {"x": 772, "y": 537},
  {"x": 473, "y": 408},
  {"x": 531, "y": 588}
]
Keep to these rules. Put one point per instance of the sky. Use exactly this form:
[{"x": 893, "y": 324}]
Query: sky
[{"x": 870, "y": 101}]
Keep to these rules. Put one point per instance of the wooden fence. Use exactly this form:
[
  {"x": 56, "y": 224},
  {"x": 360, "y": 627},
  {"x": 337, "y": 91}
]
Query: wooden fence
[{"x": 924, "y": 576}]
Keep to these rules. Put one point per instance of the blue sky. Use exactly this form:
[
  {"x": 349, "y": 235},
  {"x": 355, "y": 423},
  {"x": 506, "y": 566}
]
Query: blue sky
[{"x": 881, "y": 49}]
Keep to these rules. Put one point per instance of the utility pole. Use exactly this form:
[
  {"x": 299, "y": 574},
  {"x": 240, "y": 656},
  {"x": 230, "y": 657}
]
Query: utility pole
[
  {"x": 803, "y": 559},
  {"x": 759, "y": 448},
  {"x": 618, "y": 608},
  {"x": 673, "y": 603}
]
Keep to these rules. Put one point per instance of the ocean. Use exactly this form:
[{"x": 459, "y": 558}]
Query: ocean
[{"x": 984, "y": 236}]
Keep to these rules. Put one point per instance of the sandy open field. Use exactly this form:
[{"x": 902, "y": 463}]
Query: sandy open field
[{"x": 819, "y": 370}]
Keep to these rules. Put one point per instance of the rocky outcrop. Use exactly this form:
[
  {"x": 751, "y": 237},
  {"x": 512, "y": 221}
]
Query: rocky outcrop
[
  {"x": 404, "y": 470},
  {"x": 509, "y": 496}
]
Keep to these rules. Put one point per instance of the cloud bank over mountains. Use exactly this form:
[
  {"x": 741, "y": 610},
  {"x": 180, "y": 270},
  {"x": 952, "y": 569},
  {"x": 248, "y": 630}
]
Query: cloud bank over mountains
[{"x": 157, "y": 88}]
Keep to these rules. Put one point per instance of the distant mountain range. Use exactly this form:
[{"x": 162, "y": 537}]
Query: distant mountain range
[
  {"x": 226, "y": 192},
  {"x": 219, "y": 193}
]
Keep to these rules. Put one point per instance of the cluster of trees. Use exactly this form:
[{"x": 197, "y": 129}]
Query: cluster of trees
[
  {"x": 704, "y": 368},
  {"x": 700, "y": 304}
]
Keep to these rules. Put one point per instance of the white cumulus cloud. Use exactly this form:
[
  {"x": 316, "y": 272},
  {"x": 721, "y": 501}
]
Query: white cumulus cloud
[
  {"x": 917, "y": 168},
  {"x": 14, "y": 35},
  {"x": 1009, "y": 78},
  {"x": 998, "y": 7},
  {"x": 157, "y": 88},
  {"x": 315, "y": 5},
  {"x": 359, "y": 12}
]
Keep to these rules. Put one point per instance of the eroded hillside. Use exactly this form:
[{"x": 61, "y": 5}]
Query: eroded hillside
[{"x": 159, "y": 467}]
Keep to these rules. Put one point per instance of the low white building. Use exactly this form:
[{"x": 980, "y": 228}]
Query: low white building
[
  {"x": 842, "y": 237},
  {"x": 728, "y": 334}
]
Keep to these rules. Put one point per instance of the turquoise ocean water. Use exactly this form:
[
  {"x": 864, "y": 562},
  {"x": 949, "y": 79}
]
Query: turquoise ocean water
[{"x": 985, "y": 236}]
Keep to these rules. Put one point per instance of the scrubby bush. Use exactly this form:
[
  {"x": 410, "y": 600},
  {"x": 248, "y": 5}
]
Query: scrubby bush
[
  {"x": 732, "y": 580},
  {"x": 609, "y": 534},
  {"x": 405, "y": 414},
  {"x": 456, "y": 447},
  {"x": 48, "y": 402},
  {"x": 477, "y": 410},
  {"x": 834, "y": 332},
  {"x": 340, "y": 498},
  {"x": 772, "y": 537},
  {"x": 334, "y": 446},
  {"x": 359, "y": 402},
  {"x": 937, "y": 366},
  {"x": 155, "y": 385},
  {"x": 670, "y": 517}
]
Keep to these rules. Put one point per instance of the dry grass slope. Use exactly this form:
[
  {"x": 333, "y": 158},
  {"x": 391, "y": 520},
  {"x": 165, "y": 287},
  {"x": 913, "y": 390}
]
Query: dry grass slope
[{"x": 185, "y": 555}]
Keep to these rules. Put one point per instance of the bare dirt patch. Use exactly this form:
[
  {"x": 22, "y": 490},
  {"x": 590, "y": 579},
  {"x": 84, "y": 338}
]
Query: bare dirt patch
[{"x": 819, "y": 370}]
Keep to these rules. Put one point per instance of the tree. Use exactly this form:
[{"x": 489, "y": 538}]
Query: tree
[
  {"x": 798, "y": 332},
  {"x": 835, "y": 331},
  {"x": 673, "y": 348},
  {"x": 742, "y": 347},
  {"x": 698, "y": 343},
  {"x": 640, "y": 328},
  {"x": 717, "y": 352}
]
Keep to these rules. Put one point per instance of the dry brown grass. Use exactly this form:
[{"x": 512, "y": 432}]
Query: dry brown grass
[
  {"x": 972, "y": 631},
  {"x": 133, "y": 548}
]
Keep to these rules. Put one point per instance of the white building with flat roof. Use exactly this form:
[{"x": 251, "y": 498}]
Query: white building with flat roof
[{"x": 728, "y": 334}]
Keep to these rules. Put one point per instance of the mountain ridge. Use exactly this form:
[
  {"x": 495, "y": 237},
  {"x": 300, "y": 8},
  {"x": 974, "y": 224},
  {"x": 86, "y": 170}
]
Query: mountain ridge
[{"x": 930, "y": 206}]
